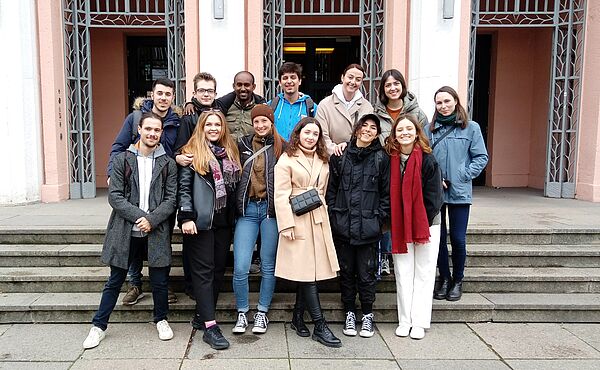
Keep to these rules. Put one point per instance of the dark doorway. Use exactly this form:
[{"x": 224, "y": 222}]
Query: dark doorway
[
  {"x": 323, "y": 60},
  {"x": 481, "y": 94},
  {"x": 146, "y": 61}
]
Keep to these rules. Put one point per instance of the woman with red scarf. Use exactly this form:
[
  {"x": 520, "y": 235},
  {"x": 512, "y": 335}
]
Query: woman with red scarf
[{"x": 416, "y": 197}]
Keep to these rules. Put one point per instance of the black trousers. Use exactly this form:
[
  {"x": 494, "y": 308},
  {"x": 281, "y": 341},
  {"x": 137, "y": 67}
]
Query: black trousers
[
  {"x": 207, "y": 254},
  {"x": 358, "y": 265}
]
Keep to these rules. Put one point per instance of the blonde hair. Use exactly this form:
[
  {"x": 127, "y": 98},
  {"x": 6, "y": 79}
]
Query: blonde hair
[{"x": 198, "y": 145}]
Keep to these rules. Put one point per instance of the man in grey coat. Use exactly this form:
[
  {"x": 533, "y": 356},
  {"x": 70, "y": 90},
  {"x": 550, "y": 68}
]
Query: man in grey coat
[{"x": 142, "y": 193}]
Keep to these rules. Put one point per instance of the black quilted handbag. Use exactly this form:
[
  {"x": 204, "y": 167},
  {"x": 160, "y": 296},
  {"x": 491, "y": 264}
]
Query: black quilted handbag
[{"x": 305, "y": 202}]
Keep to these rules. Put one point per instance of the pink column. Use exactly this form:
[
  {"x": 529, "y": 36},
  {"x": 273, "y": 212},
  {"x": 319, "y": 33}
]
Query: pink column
[
  {"x": 396, "y": 40},
  {"x": 55, "y": 186},
  {"x": 588, "y": 156},
  {"x": 464, "y": 46},
  {"x": 192, "y": 44},
  {"x": 254, "y": 42}
]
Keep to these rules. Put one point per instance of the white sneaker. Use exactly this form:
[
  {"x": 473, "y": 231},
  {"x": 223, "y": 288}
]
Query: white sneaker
[
  {"x": 402, "y": 330},
  {"x": 367, "y": 330},
  {"x": 350, "y": 324},
  {"x": 241, "y": 324},
  {"x": 385, "y": 266},
  {"x": 164, "y": 330},
  {"x": 260, "y": 323},
  {"x": 94, "y": 338},
  {"x": 417, "y": 332}
]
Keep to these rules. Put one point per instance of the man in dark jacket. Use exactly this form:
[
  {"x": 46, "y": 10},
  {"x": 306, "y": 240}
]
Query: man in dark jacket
[
  {"x": 142, "y": 194},
  {"x": 163, "y": 93}
]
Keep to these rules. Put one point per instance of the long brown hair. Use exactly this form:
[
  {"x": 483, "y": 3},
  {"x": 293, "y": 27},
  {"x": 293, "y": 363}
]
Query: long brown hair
[
  {"x": 321, "y": 150},
  {"x": 461, "y": 112},
  {"x": 198, "y": 144},
  {"x": 278, "y": 141},
  {"x": 392, "y": 146}
]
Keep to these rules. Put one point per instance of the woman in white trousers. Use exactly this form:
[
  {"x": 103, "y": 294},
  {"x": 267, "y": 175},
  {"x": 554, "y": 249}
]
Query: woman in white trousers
[{"x": 416, "y": 197}]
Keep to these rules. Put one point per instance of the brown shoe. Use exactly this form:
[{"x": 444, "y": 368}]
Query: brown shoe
[
  {"x": 172, "y": 297},
  {"x": 134, "y": 294}
]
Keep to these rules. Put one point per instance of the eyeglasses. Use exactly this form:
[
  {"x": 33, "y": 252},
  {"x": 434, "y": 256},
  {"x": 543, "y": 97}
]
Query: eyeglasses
[{"x": 205, "y": 91}]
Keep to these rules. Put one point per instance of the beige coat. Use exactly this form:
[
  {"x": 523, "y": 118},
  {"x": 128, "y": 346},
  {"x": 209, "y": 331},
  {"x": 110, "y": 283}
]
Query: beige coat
[
  {"x": 311, "y": 256},
  {"x": 337, "y": 121}
]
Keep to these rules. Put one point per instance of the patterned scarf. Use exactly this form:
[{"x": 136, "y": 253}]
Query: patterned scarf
[{"x": 230, "y": 174}]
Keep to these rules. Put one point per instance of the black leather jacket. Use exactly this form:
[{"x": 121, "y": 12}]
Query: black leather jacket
[
  {"x": 358, "y": 193},
  {"x": 196, "y": 201},
  {"x": 243, "y": 189}
]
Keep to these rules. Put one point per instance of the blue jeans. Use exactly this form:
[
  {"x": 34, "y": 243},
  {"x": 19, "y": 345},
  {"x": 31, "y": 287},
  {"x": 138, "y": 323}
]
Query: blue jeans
[
  {"x": 135, "y": 271},
  {"x": 386, "y": 242},
  {"x": 159, "y": 277},
  {"x": 458, "y": 217},
  {"x": 246, "y": 232}
]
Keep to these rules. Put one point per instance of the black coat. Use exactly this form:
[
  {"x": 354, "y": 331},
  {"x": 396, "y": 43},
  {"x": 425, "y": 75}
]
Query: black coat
[
  {"x": 205, "y": 217},
  {"x": 358, "y": 194},
  {"x": 246, "y": 151},
  {"x": 433, "y": 192}
]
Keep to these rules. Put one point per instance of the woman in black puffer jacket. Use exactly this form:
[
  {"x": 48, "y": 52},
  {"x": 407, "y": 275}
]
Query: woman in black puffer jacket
[{"x": 359, "y": 202}]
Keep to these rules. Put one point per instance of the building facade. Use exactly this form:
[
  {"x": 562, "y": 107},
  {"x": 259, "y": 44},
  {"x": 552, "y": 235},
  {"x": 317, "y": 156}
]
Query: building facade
[{"x": 525, "y": 69}]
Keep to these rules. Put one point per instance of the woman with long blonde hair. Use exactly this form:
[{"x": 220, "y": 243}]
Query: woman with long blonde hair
[{"x": 206, "y": 203}]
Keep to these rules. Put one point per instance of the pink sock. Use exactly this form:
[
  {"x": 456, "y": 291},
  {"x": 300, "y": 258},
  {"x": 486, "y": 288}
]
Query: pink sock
[{"x": 208, "y": 324}]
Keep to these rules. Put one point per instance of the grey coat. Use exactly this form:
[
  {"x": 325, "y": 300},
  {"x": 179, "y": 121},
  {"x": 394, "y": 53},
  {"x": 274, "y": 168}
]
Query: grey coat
[{"x": 124, "y": 198}]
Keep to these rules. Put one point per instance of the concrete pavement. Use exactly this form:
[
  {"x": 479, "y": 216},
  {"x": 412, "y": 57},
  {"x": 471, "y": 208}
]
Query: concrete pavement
[{"x": 448, "y": 346}]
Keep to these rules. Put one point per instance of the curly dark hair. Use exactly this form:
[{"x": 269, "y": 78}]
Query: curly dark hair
[{"x": 294, "y": 142}]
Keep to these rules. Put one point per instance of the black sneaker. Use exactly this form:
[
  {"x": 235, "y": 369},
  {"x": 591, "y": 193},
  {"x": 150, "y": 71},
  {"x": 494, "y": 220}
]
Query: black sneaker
[
  {"x": 215, "y": 338},
  {"x": 367, "y": 329},
  {"x": 255, "y": 266}
]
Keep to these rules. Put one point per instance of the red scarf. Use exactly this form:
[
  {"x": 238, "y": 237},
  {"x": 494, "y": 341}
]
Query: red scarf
[{"x": 409, "y": 218}]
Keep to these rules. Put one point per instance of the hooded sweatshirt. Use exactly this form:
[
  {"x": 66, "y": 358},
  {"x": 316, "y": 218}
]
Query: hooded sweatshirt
[{"x": 287, "y": 114}]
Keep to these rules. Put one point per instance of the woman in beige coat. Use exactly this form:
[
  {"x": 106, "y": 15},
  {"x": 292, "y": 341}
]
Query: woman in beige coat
[
  {"x": 339, "y": 112},
  {"x": 306, "y": 253}
]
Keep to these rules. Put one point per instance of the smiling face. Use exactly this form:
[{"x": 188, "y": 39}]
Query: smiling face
[
  {"x": 309, "y": 136},
  {"x": 205, "y": 92},
  {"x": 213, "y": 128},
  {"x": 243, "y": 86},
  {"x": 406, "y": 135},
  {"x": 392, "y": 88},
  {"x": 445, "y": 104},
  {"x": 366, "y": 133},
  {"x": 290, "y": 83},
  {"x": 162, "y": 97},
  {"x": 352, "y": 81},
  {"x": 150, "y": 132},
  {"x": 262, "y": 126}
]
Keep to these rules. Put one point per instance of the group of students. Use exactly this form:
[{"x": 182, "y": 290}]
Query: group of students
[{"x": 373, "y": 169}]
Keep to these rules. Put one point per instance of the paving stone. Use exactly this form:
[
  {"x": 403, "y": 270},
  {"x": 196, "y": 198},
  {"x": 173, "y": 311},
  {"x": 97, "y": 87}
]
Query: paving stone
[
  {"x": 553, "y": 364},
  {"x": 589, "y": 333},
  {"x": 352, "y": 347},
  {"x": 452, "y": 364},
  {"x": 26, "y": 365},
  {"x": 302, "y": 364},
  {"x": 32, "y": 342},
  {"x": 533, "y": 341},
  {"x": 3, "y": 328},
  {"x": 131, "y": 341},
  {"x": 272, "y": 344},
  {"x": 210, "y": 363},
  {"x": 146, "y": 364},
  {"x": 440, "y": 342}
]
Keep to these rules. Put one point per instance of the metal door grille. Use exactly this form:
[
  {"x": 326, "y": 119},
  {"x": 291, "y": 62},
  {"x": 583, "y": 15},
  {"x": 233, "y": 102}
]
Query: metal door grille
[
  {"x": 567, "y": 18},
  {"x": 79, "y": 17},
  {"x": 368, "y": 15}
]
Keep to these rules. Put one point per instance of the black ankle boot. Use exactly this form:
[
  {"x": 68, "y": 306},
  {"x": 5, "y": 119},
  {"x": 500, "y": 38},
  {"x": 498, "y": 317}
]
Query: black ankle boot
[
  {"x": 324, "y": 335},
  {"x": 298, "y": 324},
  {"x": 455, "y": 292},
  {"x": 441, "y": 289}
]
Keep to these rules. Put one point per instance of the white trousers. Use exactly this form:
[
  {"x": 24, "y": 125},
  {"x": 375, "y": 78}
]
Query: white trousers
[{"x": 415, "y": 278}]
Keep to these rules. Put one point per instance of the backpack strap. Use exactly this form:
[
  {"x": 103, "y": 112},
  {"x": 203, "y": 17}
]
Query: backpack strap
[
  {"x": 137, "y": 117},
  {"x": 256, "y": 154},
  {"x": 310, "y": 107},
  {"x": 275, "y": 102},
  {"x": 443, "y": 136}
]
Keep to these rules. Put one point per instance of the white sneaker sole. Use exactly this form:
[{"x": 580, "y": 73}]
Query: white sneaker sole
[
  {"x": 349, "y": 332},
  {"x": 258, "y": 330},
  {"x": 139, "y": 298},
  {"x": 366, "y": 334},
  {"x": 238, "y": 330}
]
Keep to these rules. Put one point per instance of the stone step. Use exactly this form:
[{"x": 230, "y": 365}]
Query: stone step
[
  {"x": 475, "y": 235},
  {"x": 527, "y": 255},
  {"x": 478, "y": 255},
  {"x": 495, "y": 279},
  {"x": 473, "y": 307}
]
